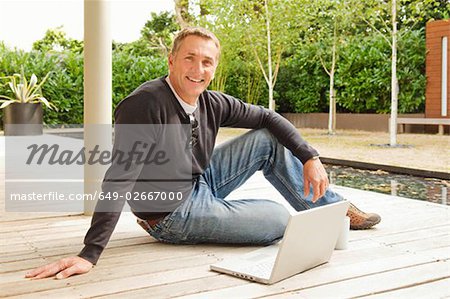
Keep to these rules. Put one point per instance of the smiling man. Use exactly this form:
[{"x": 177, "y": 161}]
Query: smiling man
[
  {"x": 274, "y": 147},
  {"x": 192, "y": 68}
]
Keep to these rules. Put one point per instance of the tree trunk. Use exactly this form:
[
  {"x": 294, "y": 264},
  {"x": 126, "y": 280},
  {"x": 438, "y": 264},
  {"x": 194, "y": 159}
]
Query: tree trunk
[
  {"x": 332, "y": 110},
  {"x": 182, "y": 13},
  {"x": 269, "y": 58},
  {"x": 394, "y": 82}
]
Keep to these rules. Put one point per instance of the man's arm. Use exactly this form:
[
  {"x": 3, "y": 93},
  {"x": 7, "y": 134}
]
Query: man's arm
[{"x": 107, "y": 213}]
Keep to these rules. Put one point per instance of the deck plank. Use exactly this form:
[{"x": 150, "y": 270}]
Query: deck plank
[
  {"x": 333, "y": 273},
  {"x": 232, "y": 286},
  {"x": 434, "y": 289},
  {"x": 389, "y": 280}
]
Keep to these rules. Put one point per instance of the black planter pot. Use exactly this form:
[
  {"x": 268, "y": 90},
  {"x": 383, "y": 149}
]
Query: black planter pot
[{"x": 22, "y": 119}]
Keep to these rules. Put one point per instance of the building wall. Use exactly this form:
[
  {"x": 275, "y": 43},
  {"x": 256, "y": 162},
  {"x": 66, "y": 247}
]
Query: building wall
[
  {"x": 435, "y": 30},
  {"x": 357, "y": 121}
]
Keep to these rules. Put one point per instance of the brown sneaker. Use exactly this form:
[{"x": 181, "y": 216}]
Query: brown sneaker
[{"x": 361, "y": 220}]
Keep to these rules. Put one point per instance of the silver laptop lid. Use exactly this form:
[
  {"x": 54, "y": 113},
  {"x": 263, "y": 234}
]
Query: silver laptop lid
[{"x": 309, "y": 239}]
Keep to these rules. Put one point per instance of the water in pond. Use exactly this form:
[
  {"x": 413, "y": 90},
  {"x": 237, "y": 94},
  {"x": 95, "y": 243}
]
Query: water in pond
[{"x": 429, "y": 189}]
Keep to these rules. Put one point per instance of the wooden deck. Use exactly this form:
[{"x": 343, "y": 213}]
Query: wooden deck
[{"x": 406, "y": 256}]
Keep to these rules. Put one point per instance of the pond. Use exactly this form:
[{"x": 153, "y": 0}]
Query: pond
[{"x": 428, "y": 189}]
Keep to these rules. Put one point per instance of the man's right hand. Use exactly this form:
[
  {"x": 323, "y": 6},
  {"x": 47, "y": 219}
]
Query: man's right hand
[
  {"x": 315, "y": 174},
  {"x": 63, "y": 268}
]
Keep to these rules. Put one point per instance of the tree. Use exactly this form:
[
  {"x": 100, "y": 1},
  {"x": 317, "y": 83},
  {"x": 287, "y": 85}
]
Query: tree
[
  {"x": 183, "y": 17},
  {"x": 56, "y": 40},
  {"x": 238, "y": 72},
  {"x": 412, "y": 11},
  {"x": 413, "y": 14},
  {"x": 159, "y": 31},
  {"x": 265, "y": 28},
  {"x": 332, "y": 22},
  {"x": 270, "y": 76},
  {"x": 156, "y": 37},
  {"x": 394, "y": 80}
]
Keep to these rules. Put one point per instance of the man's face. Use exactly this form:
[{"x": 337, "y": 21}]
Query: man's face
[{"x": 192, "y": 67}]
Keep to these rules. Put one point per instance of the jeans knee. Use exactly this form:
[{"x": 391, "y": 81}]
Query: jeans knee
[
  {"x": 263, "y": 138},
  {"x": 279, "y": 218},
  {"x": 263, "y": 134}
]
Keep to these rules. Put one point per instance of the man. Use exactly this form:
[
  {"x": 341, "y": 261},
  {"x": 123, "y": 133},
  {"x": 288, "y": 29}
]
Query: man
[{"x": 274, "y": 147}]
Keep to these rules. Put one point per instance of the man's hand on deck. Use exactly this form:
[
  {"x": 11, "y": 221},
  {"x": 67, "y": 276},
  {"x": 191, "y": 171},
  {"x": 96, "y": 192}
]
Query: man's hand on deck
[
  {"x": 63, "y": 268},
  {"x": 314, "y": 174}
]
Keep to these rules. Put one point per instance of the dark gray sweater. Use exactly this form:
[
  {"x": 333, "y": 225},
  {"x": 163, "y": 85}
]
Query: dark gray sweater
[{"x": 154, "y": 103}]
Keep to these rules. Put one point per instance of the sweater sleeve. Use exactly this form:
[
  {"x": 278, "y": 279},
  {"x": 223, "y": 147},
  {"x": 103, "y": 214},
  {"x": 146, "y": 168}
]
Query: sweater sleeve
[
  {"x": 132, "y": 111},
  {"x": 98, "y": 235},
  {"x": 236, "y": 113}
]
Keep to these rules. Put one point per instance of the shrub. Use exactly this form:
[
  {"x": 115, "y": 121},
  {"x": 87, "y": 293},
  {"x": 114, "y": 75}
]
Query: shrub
[
  {"x": 362, "y": 79},
  {"x": 131, "y": 71},
  {"x": 364, "y": 74},
  {"x": 302, "y": 84}
]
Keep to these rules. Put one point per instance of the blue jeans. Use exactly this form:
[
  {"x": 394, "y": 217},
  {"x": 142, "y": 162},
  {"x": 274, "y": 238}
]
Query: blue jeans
[{"x": 206, "y": 217}]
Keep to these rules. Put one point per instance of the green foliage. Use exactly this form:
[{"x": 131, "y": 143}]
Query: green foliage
[
  {"x": 139, "y": 47},
  {"x": 241, "y": 28},
  {"x": 411, "y": 66},
  {"x": 64, "y": 88},
  {"x": 302, "y": 84},
  {"x": 363, "y": 76},
  {"x": 131, "y": 71},
  {"x": 56, "y": 40},
  {"x": 416, "y": 13},
  {"x": 156, "y": 37},
  {"x": 24, "y": 91},
  {"x": 362, "y": 79},
  {"x": 183, "y": 9},
  {"x": 245, "y": 82},
  {"x": 159, "y": 32},
  {"x": 304, "y": 30}
]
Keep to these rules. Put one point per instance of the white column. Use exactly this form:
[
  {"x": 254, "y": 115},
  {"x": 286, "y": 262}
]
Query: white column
[{"x": 97, "y": 90}]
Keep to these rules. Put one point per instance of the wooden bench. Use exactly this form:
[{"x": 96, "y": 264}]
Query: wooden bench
[{"x": 441, "y": 122}]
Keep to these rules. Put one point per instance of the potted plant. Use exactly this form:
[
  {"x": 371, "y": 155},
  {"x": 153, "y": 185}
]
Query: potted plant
[{"x": 23, "y": 110}]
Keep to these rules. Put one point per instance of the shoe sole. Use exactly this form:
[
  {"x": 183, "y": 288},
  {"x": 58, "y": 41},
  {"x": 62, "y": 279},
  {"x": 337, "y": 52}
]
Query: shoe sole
[{"x": 365, "y": 226}]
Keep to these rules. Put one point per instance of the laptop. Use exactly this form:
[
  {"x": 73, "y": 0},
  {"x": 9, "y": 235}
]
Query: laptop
[{"x": 308, "y": 241}]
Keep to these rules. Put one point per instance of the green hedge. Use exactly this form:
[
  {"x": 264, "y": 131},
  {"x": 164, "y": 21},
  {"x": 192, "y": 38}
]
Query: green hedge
[
  {"x": 362, "y": 80},
  {"x": 364, "y": 74},
  {"x": 131, "y": 71},
  {"x": 302, "y": 84}
]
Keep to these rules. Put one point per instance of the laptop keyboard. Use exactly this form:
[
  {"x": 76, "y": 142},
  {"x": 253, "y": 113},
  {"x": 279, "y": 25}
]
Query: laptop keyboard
[{"x": 262, "y": 269}]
